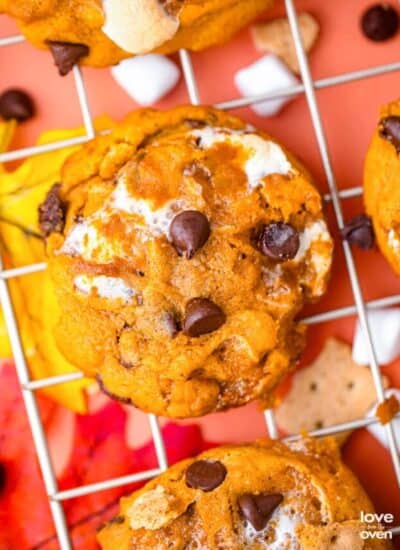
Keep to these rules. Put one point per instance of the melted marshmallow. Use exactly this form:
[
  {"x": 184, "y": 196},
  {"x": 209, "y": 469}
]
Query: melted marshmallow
[
  {"x": 264, "y": 157},
  {"x": 284, "y": 524},
  {"x": 84, "y": 239},
  {"x": 127, "y": 24},
  {"x": 393, "y": 240},
  {"x": 112, "y": 288},
  {"x": 157, "y": 220},
  {"x": 317, "y": 231}
]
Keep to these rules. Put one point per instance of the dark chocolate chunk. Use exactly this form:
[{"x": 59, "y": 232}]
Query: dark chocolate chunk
[
  {"x": 202, "y": 316},
  {"x": 389, "y": 129},
  {"x": 206, "y": 475},
  {"x": 52, "y": 212},
  {"x": 16, "y": 104},
  {"x": 280, "y": 241},
  {"x": 67, "y": 54},
  {"x": 380, "y": 22},
  {"x": 189, "y": 231},
  {"x": 360, "y": 232},
  {"x": 258, "y": 509}
]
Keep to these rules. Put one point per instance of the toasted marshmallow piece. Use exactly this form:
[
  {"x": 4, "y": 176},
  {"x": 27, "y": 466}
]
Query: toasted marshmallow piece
[
  {"x": 264, "y": 157},
  {"x": 146, "y": 78},
  {"x": 377, "y": 429},
  {"x": 113, "y": 288},
  {"x": 267, "y": 75},
  {"x": 385, "y": 330},
  {"x": 138, "y": 26}
]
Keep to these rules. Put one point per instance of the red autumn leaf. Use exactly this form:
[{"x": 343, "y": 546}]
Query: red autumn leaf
[
  {"x": 24, "y": 511},
  {"x": 99, "y": 453}
]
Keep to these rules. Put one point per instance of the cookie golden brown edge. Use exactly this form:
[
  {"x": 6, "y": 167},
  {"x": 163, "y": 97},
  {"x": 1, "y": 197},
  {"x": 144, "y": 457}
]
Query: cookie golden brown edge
[
  {"x": 135, "y": 26},
  {"x": 182, "y": 246},
  {"x": 381, "y": 183},
  {"x": 265, "y": 495}
]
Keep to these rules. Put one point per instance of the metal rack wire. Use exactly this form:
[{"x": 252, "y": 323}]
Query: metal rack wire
[{"x": 360, "y": 307}]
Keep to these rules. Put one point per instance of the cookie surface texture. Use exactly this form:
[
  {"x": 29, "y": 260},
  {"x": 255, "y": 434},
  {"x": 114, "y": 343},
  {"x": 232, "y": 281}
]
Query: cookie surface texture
[
  {"x": 271, "y": 496},
  {"x": 189, "y": 244},
  {"x": 115, "y": 29},
  {"x": 381, "y": 189}
]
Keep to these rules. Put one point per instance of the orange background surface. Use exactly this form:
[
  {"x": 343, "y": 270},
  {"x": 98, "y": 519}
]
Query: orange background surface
[{"x": 349, "y": 114}]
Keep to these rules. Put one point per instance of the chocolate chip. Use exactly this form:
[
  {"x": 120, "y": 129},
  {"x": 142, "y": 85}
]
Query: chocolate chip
[
  {"x": 189, "y": 231},
  {"x": 380, "y": 22},
  {"x": 16, "y": 104},
  {"x": 124, "y": 400},
  {"x": 280, "y": 241},
  {"x": 206, "y": 475},
  {"x": 66, "y": 55},
  {"x": 202, "y": 316},
  {"x": 258, "y": 509},
  {"x": 359, "y": 231},
  {"x": 52, "y": 212},
  {"x": 3, "y": 477},
  {"x": 389, "y": 129},
  {"x": 172, "y": 324}
]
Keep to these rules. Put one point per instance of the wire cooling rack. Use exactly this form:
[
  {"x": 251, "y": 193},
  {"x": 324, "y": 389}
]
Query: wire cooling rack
[{"x": 360, "y": 307}]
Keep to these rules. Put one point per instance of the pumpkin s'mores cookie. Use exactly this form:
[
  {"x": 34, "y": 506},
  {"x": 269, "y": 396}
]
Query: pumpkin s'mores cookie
[
  {"x": 381, "y": 187},
  {"x": 101, "y": 33},
  {"x": 182, "y": 246},
  {"x": 252, "y": 497}
]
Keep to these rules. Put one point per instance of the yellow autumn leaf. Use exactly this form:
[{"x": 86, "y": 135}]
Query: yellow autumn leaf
[{"x": 37, "y": 310}]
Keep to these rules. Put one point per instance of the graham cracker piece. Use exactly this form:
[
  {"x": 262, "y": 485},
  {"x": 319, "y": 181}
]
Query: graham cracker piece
[
  {"x": 275, "y": 37},
  {"x": 332, "y": 390}
]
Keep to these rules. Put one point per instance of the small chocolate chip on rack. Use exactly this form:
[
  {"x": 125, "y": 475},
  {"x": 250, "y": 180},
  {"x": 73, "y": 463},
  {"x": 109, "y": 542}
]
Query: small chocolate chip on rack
[
  {"x": 258, "y": 509},
  {"x": 17, "y": 104},
  {"x": 189, "y": 231},
  {"x": 389, "y": 129},
  {"x": 202, "y": 316},
  {"x": 206, "y": 475},
  {"x": 66, "y": 55},
  {"x": 280, "y": 241},
  {"x": 380, "y": 22},
  {"x": 52, "y": 212},
  {"x": 360, "y": 232}
]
